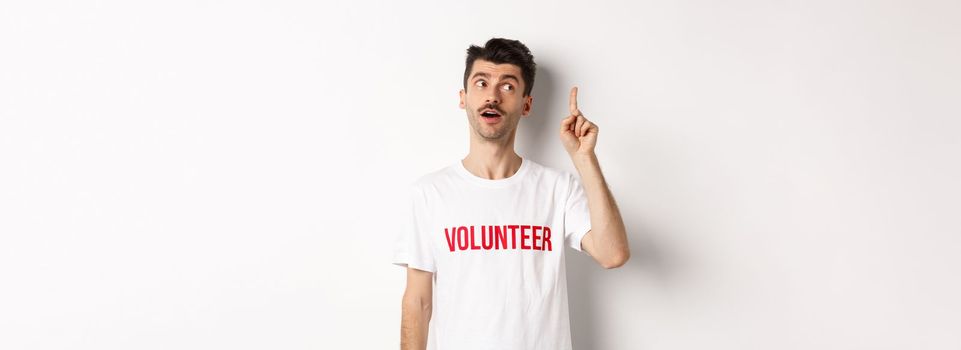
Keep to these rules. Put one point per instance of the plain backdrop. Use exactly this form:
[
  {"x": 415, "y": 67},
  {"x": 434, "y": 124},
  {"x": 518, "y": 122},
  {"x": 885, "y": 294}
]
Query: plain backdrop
[{"x": 230, "y": 174}]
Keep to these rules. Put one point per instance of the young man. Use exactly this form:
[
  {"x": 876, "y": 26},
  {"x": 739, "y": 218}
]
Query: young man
[{"x": 490, "y": 229}]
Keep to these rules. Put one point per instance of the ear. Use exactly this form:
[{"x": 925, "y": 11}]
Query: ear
[
  {"x": 462, "y": 95},
  {"x": 528, "y": 105}
]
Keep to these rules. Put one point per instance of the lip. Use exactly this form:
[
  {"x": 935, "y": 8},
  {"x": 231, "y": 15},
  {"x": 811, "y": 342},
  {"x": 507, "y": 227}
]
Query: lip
[
  {"x": 499, "y": 114},
  {"x": 492, "y": 120}
]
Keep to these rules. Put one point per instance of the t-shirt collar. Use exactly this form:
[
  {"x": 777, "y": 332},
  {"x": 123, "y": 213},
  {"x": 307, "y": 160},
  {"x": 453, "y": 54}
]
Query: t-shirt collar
[{"x": 517, "y": 176}]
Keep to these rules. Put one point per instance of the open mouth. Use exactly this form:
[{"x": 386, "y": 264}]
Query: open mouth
[{"x": 490, "y": 113}]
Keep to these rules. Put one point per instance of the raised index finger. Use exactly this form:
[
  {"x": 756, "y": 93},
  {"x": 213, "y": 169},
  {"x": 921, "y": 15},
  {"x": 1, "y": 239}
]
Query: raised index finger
[{"x": 574, "y": 110}]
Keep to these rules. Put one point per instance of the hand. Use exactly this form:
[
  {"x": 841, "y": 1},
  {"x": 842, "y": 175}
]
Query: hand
[{"x": 578, "y": 134}]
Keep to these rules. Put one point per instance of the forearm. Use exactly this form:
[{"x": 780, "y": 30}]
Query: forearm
[
  {"x": 607, "y": 227},
  {"x": 414, "y": 321}
]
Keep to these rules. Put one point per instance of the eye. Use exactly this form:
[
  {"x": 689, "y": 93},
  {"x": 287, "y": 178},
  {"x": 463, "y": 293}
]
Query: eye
[
  {"x": 508, "y": 87},
  {"x": 480, "y": 83}
]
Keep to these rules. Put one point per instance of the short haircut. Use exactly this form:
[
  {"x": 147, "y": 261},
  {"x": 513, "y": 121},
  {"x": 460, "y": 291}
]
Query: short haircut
[{"x": 499, "y": 51}]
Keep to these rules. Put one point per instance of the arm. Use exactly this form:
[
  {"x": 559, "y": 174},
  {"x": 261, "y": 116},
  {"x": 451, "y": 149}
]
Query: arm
[
  {"x": 606, "y": 242},
  {"x": 416, "y": 309}
]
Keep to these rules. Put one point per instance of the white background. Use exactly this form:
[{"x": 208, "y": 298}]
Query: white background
[{"x": 230, "y": 174}]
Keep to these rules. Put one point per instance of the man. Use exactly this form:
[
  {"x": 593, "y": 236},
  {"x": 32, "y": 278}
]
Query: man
[{"x": 490, "y": 229}]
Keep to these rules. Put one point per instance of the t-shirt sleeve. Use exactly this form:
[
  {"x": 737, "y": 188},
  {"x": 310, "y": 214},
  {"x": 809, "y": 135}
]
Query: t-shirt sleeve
[
  {"x": 412, "y": 247},
  {"x": 577, "y": 215}
]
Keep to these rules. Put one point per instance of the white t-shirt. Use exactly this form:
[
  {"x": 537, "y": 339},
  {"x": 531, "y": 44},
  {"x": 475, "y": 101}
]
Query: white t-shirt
[{"x": 496, "y": 248}]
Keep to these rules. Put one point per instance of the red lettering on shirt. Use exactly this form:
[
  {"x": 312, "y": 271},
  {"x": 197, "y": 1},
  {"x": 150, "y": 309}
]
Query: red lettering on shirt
[
  {"x": 525, "y": 236},
  {"x": 501, "y": 240},
  {"x": 450, "y": 237},
  {"x": 495, "y": 237},
  {"x": 487, "y": 237},
  {"x": 462, "y": 238},
  {"x": 536, "y": 237},
  {"x": 547, "y": 238}
]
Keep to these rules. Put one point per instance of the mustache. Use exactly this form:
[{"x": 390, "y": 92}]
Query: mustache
[{"x": 490, "y": 106}]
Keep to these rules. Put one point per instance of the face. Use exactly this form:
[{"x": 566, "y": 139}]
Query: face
[{"x": 495, "y": 88}]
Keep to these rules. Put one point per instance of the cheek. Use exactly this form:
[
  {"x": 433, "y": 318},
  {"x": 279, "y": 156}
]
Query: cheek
[{"x": 470, "y": 99}]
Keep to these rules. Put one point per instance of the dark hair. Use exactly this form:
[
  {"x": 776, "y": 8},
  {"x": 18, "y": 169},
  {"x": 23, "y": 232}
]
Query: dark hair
[{"x": 500, "y": 50}]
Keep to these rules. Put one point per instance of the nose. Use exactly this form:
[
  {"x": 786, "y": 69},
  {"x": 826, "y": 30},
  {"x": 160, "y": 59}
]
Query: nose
[{"x": 493, "y": 98}]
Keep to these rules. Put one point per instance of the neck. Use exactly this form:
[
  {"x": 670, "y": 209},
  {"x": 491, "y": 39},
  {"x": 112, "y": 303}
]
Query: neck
[{"x": 491, "y": 160}]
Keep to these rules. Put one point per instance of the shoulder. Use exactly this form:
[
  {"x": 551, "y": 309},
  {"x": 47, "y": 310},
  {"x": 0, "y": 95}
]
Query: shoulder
[
  {"x": 551, "y": 173},
  {"x": 562, "y": 181},
  {"x": 431, "y": 179}
]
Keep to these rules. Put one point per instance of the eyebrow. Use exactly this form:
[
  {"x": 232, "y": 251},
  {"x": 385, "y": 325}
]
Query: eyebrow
[{"x": 503, "y": 77}]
